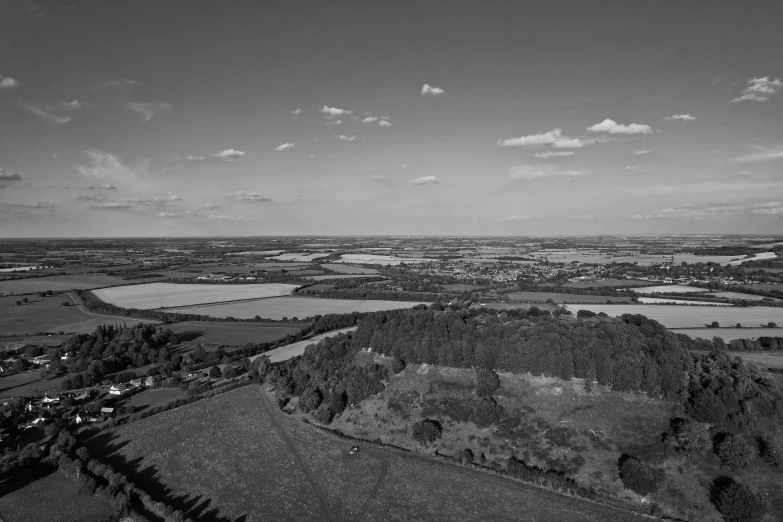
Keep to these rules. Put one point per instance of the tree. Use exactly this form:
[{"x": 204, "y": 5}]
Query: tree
[
  {"x": 42, "y": 294},
  {"x": 397, "y": 365},
  {"x": 19, "y": 365},
  {"x": 737, "y": 502},
  {"x": 65, "y": 303},
  {"x": 229, "y": 372},
  {"x": 486, "y": 413},
  {"x": 714, "y": 324},
  {"x": 19, "y": 303},
  {"x": 584, "y": 314},
  {"x": 734, "y": 452},
  {"x": 311, "y": 399},
  {"x": 487, "y": 381},
  {"x": 323, "y": 414},
  {"x": 637, "y": 476},
  {"x": 25, "y": 300},
  {"x": 215, "y": 372},
  {"x": 427, "y": 431},
  {"x": 690, "y": 437}
]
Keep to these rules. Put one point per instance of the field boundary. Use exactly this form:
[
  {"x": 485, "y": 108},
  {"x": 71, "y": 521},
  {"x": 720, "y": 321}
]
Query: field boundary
[{"x": 82, "y": 308}]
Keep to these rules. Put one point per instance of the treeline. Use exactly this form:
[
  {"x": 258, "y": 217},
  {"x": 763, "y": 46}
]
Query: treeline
[
  {"x": 377, "y": 295},
  {"x": 762, "y": 344}
]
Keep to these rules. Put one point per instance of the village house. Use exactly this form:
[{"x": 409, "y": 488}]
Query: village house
[
  {"x": 137, "y": 382},
  {"x": 117, "y": 389}
]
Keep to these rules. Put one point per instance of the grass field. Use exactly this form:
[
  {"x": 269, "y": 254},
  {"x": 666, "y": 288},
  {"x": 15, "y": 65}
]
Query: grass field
[
  {"x": 237, "y": 334},
  {"x": 607, "y": 283},
  {"x": 681, "y": 302},
  {"x": 349, "y": 269},
  {"x": 58, "y": 283},
  {"x": 738, "y": 295},
  {"x": 236, "y": 457},
  {"x": 53, "y": 498},
  {"x": 540, "y": 297},
  {"x": 294, "y": 349},
  {"x": 669, "y": 289},
  {"x": 340, "y": 276},
  {"x": 296, "y": 256},
  {"x": 461, "y": 287},
  {"x": 692, "y": 316},
  {"x": 168, "y": 295},
  {"x": 729, "y": 334},
  {"x": 154, "y": 397},
  {"x": 378, "y": 259},
  {"x": 278, "y": 307},
  {"x": 764, "y": 360},
  {"x": 30, "y": 387},
  {"x": 46, "y": 314}
]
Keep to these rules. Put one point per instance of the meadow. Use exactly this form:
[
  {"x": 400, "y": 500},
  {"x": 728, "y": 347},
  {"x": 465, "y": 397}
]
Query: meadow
[
  {"x": 349, "y": 269},
  {"x": 236, "y": 457},
  {"x": 607, "y": 282},
  {"x": 53, "y": 498},
  {"x": 378, "y": 259},
  {"x": 58, "y": 283},
  {"x": 681, "y": 302},
  {"x": 692, "y": 316},
  {"x": 747, "y": 297},
  {"x": 729, "y": 334},
  {"x": 168, "y": 295},
  {"x": 295, "y": 349},
  {"x": 232, "y": 334},
  {"x": 46, "y": 314},
  {"x": 669, "y": 289},
  {"x": 277, "y": 308},
  {"x": 339, "y": 276},
  {"x": 540, "y": 297},
  {"x": 27, "y": 383}
]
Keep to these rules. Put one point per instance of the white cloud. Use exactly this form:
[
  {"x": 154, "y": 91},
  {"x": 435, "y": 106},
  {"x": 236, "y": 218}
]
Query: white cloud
[
  {"x": 297, "y": 111},
  {"x": 107, "y": 186},
  {"x": 285, "y": 146},
  {"x": 107, "y": 166},
  {"x": 194, "y": 158},
  {"x": 553, "y": 154},
  {"x": 384, "y": 123},
  {"x": 760, "y": 89},
  {"x": 744, "y": 173},
  {"x": 514, "y": 217},
  {"x": 91, "y": 197},
  {"x": 425, "y": 180},
  {"x": 122, "y": 84},
  {"x": 45, "y": 113},
  {"x": 230, "y": 155},
  {"x": 714, "y": 211},
  {"x": 553, "y": 138},
  {"x": 113, "y": 205},
  {"x": 167, "y": 215},
  {"x": 531, "y": 172},
  {"x": 6, "y": 82},
  {"x": 334, "y": 122},
  {"x": 612, "y": 127},
  {"x": 369, "y": 119},
  {"x": 246, "y": 195},
  {"x": 331, "y": 112},
  {"x": 9, "y": 176},
  {"x": 641, "y": 152},
  {"x": 74, "y": 105},
  {"x": 431, "y": 90},
  {"x": 346, "y": 138},
  {"x": 682, "y": 117},
  {"x": 148, "y": 110},
  {"x": 761, "y": 155}
]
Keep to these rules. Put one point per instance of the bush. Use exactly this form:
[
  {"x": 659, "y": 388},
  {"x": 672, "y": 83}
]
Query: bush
[
  {"x": 215, "y": 372},
  {"x": 770, "y": 453},
  {"x": 637, "y": 476},
  {"x": 427, "y": 431},
  {"x": 689, "y": 437},
  {"x": 707, "y": 407},
  {"x": 486, "y": 413},
  {"x": 229, "y": 372},
  {"x": 487, "y": 382},
  {"x": 583, "y": 314},
  {"x": 734, "y": 452},
  {"x": 397, "y": 365},
  {"x": 466, "y": 456},
  {"x": 311, "y": 399},
  {"x": 323, "y": 414},
  {"x": 736, "y": 502}
]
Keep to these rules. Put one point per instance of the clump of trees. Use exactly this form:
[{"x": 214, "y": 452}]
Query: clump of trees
[
  {"x": 637, "y": 476},
  {"x": 426, "y": 431},
  {"x": 487, "y": 382},
  {"x": 734, "y": 452},
  {"x": 736, "y": 501}
]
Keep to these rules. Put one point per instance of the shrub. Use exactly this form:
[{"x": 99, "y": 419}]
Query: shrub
[
  {"x": 311, "y": 399},
  {"x": 323, "y": 414},
  {"x": 585, "y": 313},
  {"x": 397, "y": 365},
  {"x": 229, "y": 372},
  {"x": 487, "y": 382},
  {"x": 427, "y": 431},
  {"x": 734, "y": 452},
  {"x": 690, "y": 437},
  {"x": 337, "y": 402},
  {"x": 736, "y": 502},
  {"x": 637, "y": 476},
  {"x": 707, "y": 407},
  {"x": 770, "y": 453},
  {"x": 466, "y": 456},
  {"x": 486, "y": 413},
  {"x": 215, "y": 372}
]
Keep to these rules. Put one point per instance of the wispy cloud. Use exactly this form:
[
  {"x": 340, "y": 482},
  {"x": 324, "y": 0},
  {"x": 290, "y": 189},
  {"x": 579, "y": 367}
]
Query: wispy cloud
[
  {"x": 105, "y": 186},
  {"x": 531, "y": 172},
  {"x": 553, "y": 138},
  {"x": 74, "y": 105},
  {"x": 6, "y": 82},
  {"x": 334, "y": 122},
  {"x": 285, "y": 146},
  {"x": 553, "y": 154},
  {"x": 346, "y": 138},
  {"x": 331, "y": 112},
  {"x": 760, "y": 89},
  {"x": 612, "y": 127},
  {"x": 122, "y": 84},
  {"x": 738, "y": 187},
  {"x": 6, "y": 176},
  {"x": 641, "y": 152},
  {"x": 369, "y": 119},
  {"x": 431, "y": 90},
  {"x": 730, "y": 210},
  {"x": 107, "y": 166},
  {"x": 45, "y": 114},
  {"x": 761, "y": 156},
  {"x": 91, "y": 197},
  {"x": 246, "y": 195},
  {"x": 230, "y": 155},
  {"x": 194, "y": 158},
  {"x": 113, "y": 205},
  {"x": 425, "y": 180},
  {"x": 147, "y": 110},
  {"x": 744, "y": 173},
  {"x": 681, "y": 117},
  {"x": 296, "y": 112},
  {"x": 384, "y": 123}
]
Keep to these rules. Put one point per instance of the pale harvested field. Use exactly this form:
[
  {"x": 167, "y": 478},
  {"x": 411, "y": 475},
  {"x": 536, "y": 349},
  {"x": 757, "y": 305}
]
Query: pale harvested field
[
  {"x": 167, "y": 295},
  {"x": 58, "y": 283},
  {"x": 739, "y": 295},
  {"x": 295, "y": 349},
  {"x": 696, "y": 316},
  {"x": 340, "y": 276},
  {"x": 295, "y": 256},
  {"x": 680, "y": 302},
  {"x": 729, "y": 334},
  {"x": 377, "y": 259},
  {"x": 278, "y": 307},
  {"x": 349, "y": 269},
  {"x": 671, "y": 289}
]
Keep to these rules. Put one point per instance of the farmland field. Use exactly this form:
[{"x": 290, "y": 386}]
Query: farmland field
[
  {"x": 349, "y": 269},
  {"x": 680, "y": 302},
  {"x": 608, "y": 283},
  {"x": 462, "y": 287},
  {"x": 59, "y": 283},
  {"x": 294, "y": 349},
  {"x": 340, "y": 276},
  {"x": 763, "y": 359},
  {"x": 29, "y": 387},
  {"x": 295, "y": 256},
  {"x": 729, "y": 334},
  {"x": 53, "y": 498},
  {"x": 278, "y": 307},
  {"x": 377, "y": 259},
  {"x": 236, "y": 457},
  {"x": 669, "y": 289},
  {"x": 237, "y": 334},
  {"x": 46, "y": 314},
  {"x": 565, "y": 298},
  {"x": 152, "y": 397},
  {"x": 167, "y": 295},
  {"x": 739, "y": 295},
  {"x": 696, "y": 316}
]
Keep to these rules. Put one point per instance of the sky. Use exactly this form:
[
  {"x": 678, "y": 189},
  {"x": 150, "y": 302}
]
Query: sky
[{"x": 150, "y": 118}]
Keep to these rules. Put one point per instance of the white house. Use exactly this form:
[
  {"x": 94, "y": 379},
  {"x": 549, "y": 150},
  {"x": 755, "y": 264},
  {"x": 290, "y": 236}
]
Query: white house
[
  {"x": 50, "y": 400},
  {"x": 117, "y": 389}
]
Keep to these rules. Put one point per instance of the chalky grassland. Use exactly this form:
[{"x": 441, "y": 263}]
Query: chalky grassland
[
  {"x": 168, "y": 295},
  {"x": 673, "y": 316}
]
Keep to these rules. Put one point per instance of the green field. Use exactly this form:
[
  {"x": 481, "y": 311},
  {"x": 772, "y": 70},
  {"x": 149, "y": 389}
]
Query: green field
[
  {"x": 59, "y": 283},
  {"x": 729, "y": 334},
  {"x": 349, "y": 269},
  {"x": 236, "y": 334},
  {"x": 560, "y": 298},
  {"x": 692, "y": 316},
  {"x": 27, "y": 383},
  {"x": 236, "y": 456},
  {"x": 608, "y": 283},
  {"x": 154, "y": 397},
  {"x": 53, "y": 498},
  {"x": 46, "y": 314},
  {"x": 278, "y": 307}
]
